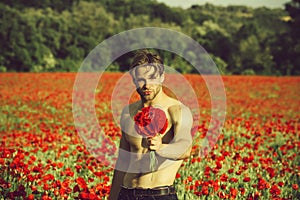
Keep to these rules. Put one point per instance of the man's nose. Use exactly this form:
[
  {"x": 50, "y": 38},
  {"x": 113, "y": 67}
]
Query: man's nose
[{"x": 146, "y": 84}]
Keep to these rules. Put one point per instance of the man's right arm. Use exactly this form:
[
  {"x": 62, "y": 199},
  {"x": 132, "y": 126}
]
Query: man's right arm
[
  {"x": 121, "y": 164},
  {"x": 180, "y": 146}
]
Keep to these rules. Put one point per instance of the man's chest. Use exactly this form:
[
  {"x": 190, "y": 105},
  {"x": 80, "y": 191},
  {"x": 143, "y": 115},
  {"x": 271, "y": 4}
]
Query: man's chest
[{"x": 138, "y": 142}]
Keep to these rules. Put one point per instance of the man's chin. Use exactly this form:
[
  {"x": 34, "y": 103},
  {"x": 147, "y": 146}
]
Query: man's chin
[{"x": 148, "y": 97}]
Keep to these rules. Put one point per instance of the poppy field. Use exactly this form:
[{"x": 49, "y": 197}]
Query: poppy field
[{"x": 256, "y": 155}]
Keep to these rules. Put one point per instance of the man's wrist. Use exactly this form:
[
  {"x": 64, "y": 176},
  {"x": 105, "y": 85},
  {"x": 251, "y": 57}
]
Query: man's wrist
[{"x": 160, "y": 151}]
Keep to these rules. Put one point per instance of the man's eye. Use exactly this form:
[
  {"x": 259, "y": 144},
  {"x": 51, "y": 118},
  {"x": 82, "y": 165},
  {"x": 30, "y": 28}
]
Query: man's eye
[
  {"x": 152, "y": 78},
  {"x": 140, "y": 81}
]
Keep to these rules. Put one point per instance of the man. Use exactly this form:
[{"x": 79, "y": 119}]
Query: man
[{"x": 132, "y": 178}]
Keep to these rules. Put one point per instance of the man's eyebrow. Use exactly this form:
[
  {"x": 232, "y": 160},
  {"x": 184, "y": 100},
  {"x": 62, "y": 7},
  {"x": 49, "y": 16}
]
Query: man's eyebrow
[{"x": 154, "y": 74}]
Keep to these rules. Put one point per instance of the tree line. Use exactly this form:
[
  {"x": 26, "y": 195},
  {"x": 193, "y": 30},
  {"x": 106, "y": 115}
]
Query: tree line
[{"x": 54, "y": 35}]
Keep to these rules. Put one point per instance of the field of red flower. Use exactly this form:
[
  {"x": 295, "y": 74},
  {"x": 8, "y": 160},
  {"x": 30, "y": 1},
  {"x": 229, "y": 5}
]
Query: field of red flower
[{"x": 255, "y": 157}]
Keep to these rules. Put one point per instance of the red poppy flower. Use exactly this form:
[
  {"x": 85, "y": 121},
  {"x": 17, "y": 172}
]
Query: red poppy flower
[
  {"x": 150, "y": 121},
  {"x": 246, "y": 179},
  {"x": 221, "y": 195},
  {"x": 262, "y": 184},
  {"x": 295, "y": 186},
  {"x": 30, "y": 197},
  {"x": 233, "y": 192},
  {"x": 233, "y": 180},
  {"x": 224, "y": 178},
  {"x": 274, "y": 190},
  {"x": 190, "y": 179},
  {"x": 280, "y": 183},
  {"x": 76, "y": 188},
  {"x": 204, "y": 190},
  {"x": 81, "y": 182},
  {"x": 242, "y": 190}
]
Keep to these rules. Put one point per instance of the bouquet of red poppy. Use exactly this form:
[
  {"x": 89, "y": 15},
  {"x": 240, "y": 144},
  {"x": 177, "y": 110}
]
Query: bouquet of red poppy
[{"x": 149, "y": 123}]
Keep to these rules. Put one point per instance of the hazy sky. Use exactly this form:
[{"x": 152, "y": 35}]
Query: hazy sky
[{"x": 252, "y": 3}]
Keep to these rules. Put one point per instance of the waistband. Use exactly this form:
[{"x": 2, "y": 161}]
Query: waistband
[{"x": 157, "y": 191}]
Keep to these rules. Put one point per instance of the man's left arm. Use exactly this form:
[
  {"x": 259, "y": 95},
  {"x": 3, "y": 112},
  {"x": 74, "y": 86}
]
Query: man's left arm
[{"x": 181, "y": 144}]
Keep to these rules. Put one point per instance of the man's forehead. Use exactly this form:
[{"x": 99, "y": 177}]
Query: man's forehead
[{"x": 147, "y": 71}]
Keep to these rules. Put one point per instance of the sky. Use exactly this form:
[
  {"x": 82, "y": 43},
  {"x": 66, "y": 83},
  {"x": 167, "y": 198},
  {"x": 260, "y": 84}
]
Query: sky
[{"x": 251, "y": 3}]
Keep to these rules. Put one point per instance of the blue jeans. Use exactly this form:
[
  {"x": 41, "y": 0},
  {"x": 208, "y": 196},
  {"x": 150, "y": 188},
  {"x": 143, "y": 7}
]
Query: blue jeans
[{"x": 126, "y": 194}]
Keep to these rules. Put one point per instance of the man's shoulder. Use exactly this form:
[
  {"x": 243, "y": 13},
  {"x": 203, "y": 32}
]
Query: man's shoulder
[
  {"x": 131, "y": 108},
  {"x": 176, "y": 105},
  {"x": 180, "y": 107},
  {"x": 127, "y": 113},
  {"x": 178, "y": 110}
]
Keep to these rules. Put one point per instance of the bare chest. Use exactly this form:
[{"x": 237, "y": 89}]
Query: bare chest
[{"x": 139, "y": 143}]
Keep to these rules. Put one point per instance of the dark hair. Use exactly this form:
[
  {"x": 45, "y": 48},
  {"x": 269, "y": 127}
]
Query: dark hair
[{"x": 147, "y": 58}]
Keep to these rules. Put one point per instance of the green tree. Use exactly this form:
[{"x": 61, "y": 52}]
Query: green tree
[
  {"x": 57, "y": 5},
  {"x": 22, "y": 43},
  {"x": 293, "y": 8},
  {"x": 250, "y": 51},
  {"x": 57, "y": 35}
]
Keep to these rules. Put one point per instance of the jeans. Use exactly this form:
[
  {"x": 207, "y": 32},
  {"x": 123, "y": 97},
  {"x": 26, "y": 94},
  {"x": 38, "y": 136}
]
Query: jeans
[{"x": 125, "y": 195}]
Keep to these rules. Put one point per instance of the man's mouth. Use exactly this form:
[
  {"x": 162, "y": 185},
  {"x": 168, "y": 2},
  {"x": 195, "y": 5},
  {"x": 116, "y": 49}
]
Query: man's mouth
[{"x": 147, "y": 92}]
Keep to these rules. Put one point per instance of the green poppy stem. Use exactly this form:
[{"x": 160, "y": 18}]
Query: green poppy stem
[{"x": 153, "y": 162}]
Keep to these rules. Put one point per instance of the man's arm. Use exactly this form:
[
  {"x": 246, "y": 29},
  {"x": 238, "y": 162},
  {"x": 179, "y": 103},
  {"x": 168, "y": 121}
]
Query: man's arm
[
  {"x": 180, "y": 146},
  {"x": 121, "y": 164}
]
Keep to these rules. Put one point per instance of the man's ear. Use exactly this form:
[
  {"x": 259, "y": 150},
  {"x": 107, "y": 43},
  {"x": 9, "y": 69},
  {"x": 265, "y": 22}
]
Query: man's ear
[
  {"x": 162, "y": 77},
  {"x": 132, "y": 74},
  {"x": 134, "y": 81}
]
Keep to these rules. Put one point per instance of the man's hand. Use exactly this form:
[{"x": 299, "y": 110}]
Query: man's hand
[{"x": 155, "y": 143}]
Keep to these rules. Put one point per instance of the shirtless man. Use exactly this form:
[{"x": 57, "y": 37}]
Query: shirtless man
[{"x": 132, "y": 178}]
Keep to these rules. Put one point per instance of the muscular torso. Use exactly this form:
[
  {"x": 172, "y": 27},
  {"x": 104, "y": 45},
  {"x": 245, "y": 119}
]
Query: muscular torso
[{"x": 139, "y": 174}]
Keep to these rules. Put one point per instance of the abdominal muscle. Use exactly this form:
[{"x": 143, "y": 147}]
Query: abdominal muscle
[{"x": 139, "y": 175}]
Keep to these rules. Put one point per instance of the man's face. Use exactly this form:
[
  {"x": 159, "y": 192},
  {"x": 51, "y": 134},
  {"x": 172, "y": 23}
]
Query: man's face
[{"x": 147, "y": 81}]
